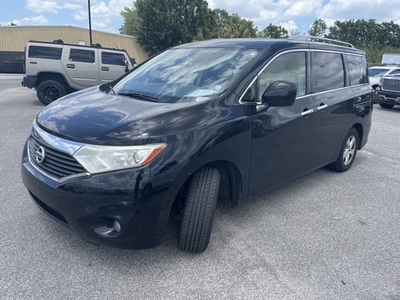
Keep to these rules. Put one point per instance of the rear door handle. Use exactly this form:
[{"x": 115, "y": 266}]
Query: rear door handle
[
  {"x": 104, "y": 68},
  {"x": 322, "y": 106},
  {"x": 71, "y": 66}
]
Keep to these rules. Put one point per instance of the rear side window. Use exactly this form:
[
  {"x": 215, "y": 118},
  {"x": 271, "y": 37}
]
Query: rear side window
[
  {"x": 85, "y": 56},
  {"x": 327, "y": 71},
  {"x": 44, "y": 52},
  {"x": 358, "y": 69},
  {"x": 110, "y": 58}
]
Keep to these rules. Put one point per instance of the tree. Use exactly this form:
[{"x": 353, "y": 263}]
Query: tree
[
  {"x": 318, "y": 28},
  {"x": 294, "y": 32},
  {"x": 160, "y": 24},
  {"x": 131, "y": 22},
  {"x": 234, "y": 26},
  {"x": 273, "y": 31},
  {"x": 360, "y": 33},
  {"x": 390, "y": 34}
]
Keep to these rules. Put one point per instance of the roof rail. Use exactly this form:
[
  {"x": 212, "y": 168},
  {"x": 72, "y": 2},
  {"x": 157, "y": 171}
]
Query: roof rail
[{"x": 319, "y": 39}]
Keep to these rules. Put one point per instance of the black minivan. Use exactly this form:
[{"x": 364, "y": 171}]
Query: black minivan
[{"x": 220, "y": 118}]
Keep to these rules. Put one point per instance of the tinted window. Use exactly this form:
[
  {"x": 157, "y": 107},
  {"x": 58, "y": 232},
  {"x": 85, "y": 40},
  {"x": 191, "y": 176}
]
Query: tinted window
[
  {"x": 109, "y": 58},
  {"x": 358, "y": 69},
  {"x": 327, "y": 71},
  {"x": 290, "y": 67},
  {"x": 44, "y": 52},
  {"x": 86, "y": 56}
]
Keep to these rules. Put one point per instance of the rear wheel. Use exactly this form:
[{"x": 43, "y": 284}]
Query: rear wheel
[
  {"x": 384, "y": 105},
  {"x": 347, "y": 152},
  {"x": 199, "y": 210},
  {"x": 50, "y": 90}
]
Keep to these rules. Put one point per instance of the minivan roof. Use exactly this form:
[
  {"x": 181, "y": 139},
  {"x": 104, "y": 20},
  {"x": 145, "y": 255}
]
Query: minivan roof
[{"x": 262, "y": 43}]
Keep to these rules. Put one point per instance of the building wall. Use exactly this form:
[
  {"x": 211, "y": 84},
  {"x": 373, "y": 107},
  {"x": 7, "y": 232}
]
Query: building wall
[{"x": 14, "y": 38}]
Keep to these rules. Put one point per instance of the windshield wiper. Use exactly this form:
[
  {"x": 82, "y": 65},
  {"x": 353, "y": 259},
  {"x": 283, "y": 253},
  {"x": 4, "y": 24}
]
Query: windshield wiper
[{"x": 140, "y": 96}]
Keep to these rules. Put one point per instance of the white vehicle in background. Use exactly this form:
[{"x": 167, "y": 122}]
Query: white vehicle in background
[
  {"x": 376, "y": 74},
  {"x": 55, "y": 69}
]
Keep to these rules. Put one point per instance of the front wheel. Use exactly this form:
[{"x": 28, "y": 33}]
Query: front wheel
[
  {"x": 198, "y": 213},
  {"x": 50, "y": 90},
  {"x": 384, "y": 105},
  {"x": 347, "y": 152}
]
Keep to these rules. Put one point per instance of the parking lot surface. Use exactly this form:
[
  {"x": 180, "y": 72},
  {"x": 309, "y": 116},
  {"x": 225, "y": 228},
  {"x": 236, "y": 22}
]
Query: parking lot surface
[{"x": 325, "y": 235}]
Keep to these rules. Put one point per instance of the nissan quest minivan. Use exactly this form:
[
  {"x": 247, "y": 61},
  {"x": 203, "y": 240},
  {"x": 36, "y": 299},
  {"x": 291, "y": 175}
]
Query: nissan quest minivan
[{"x": 224, "y": 118}]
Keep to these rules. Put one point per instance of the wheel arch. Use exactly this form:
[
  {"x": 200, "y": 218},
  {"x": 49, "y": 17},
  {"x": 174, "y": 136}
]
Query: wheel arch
[
  {"x": 360, "y": 131},
  {"x": 231, "y": 185},
  {"x": 43, "y": 76}
]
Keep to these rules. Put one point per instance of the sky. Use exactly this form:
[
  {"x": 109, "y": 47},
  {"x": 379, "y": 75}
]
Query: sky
[{"x": 293, "y": 15}]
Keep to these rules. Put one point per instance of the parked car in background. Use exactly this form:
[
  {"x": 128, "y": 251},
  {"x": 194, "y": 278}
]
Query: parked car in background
[
  {"x": 389, "y": 93},
  {"x": 217, "y": 119},
  {"x": 56, "y": 69},
  {"x": 375, "y": 74}
]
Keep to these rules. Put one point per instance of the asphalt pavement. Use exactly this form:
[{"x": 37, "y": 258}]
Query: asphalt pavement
[{"x": 323, "y": 236}]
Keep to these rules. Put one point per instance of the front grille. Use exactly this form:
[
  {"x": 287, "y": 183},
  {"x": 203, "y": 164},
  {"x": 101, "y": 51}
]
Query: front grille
[
  {"x": 391, "y": 85},
  {"x": 56, "y": 163}
]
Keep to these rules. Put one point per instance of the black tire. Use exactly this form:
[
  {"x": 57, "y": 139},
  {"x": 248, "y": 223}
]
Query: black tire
[
  {"x": 199, "y": 210},
  {"x": 384, "y": 105},
  {"x": 50, "y": 90},
  {"x": 347, "y": 152}
]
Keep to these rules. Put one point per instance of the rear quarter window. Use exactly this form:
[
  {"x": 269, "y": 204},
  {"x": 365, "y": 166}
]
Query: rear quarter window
[
  {"x": 44, "y": 52},
  {"x": 358, "y": 69}
]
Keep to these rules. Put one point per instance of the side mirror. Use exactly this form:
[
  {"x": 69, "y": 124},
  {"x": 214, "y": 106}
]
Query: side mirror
[{"x": 280, "y": 93}]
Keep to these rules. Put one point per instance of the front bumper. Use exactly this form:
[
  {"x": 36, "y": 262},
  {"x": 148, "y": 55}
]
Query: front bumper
[
  {"x": 386, "y": 97},
  {"x": 98, "y": 201}
]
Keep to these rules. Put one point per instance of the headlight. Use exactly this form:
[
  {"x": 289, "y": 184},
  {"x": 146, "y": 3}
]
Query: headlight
[{"x": 98, "y": 159}]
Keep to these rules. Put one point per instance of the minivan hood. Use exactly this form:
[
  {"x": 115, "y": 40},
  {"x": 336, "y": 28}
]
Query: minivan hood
[{"x": 95, "y": 117}]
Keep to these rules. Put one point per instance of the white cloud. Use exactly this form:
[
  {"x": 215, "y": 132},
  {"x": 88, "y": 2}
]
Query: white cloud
[
  {"x": 99, "y": 9},
  {"x": 289, "y": 26},
  {"x": 80, "y": 15},
  {"x": 39, "y": 20},
  {"x": 42, "y": 6},
  {"x": 303, "y": 8},
  {"x": 103, "y": 14},
  {"x": 380, "y": 10},
  {"x": 264, "y": 12},
  {"x": 72, "y": 6}
]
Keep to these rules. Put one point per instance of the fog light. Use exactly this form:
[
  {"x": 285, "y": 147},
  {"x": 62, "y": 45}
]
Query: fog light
[{"x": 109, "y": 231}]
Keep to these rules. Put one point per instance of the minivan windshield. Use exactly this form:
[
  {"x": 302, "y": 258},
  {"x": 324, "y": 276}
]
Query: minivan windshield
[{"x": 186, "y": 74}]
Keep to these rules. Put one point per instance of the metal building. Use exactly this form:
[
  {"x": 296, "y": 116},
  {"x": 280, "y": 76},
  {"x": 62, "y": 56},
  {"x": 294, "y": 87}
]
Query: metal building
[{"x": 14, "y": 38}]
